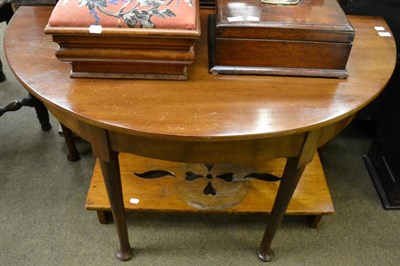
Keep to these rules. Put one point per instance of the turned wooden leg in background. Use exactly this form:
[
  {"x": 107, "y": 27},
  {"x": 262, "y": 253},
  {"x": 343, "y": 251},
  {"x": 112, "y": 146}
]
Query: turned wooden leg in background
[
  {"x": 41, "y": 113},
  {"x": 112, "y": 180},
  {"x": 73, "y": 154},
  {"x": 2, "y": 76},
  {"x": 44, "y": 119},
  {"x": 41, "y": 110}
]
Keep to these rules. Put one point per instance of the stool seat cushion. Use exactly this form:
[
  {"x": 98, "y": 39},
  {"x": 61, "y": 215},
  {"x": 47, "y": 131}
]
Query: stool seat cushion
[{"x": 165, "y": 14}]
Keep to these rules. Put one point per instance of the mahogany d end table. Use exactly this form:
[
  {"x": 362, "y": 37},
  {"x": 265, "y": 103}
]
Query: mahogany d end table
[{"x": 207, "y": 119}]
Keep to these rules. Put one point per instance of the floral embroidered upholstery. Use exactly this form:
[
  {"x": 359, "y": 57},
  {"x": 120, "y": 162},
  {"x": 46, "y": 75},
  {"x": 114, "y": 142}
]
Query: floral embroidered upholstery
[{"x": 168, "y": 14}]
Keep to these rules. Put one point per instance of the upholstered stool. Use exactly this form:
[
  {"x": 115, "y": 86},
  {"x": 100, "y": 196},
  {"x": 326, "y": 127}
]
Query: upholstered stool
[{"x": 126, "y": 39}]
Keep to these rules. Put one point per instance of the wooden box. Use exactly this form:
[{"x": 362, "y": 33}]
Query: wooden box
[
  {"x": 312, "y": 38},
  {"x": 126, "y": 39}
]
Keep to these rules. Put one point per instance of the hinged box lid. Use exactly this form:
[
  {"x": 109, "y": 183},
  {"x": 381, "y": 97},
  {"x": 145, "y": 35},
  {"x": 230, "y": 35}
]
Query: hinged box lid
[{"x": 309, "y": 20}]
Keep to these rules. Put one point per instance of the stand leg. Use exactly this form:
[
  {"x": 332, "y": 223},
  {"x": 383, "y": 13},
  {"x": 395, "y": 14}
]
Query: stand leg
[
  {"x": 73, "y": 154},
  {"x": 112, "y": 180},
  {"x": 291, "y": 177},
  {"x": 2, "y": 76},
  {"x": 41, "y": 110},
  {"x": 41, "y": 113}
]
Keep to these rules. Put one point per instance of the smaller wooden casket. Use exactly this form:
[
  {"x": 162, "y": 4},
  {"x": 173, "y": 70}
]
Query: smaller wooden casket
[
  {"x": 312, "y": 38},
  {"x": 126, "y": 39}
]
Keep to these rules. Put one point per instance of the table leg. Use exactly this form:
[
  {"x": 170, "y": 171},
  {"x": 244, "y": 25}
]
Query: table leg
[
  {"x": 112, "y": 179},
  {"x": 291, "y": 176}
]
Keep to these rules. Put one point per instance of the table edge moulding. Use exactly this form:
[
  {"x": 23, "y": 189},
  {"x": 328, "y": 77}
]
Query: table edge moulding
[{"x": 208, "y": 119}]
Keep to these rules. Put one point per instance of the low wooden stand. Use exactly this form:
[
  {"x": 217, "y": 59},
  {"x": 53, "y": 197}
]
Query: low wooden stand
[{"x": 159, "y": 190}]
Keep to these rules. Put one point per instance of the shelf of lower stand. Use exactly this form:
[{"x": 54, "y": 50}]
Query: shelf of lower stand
[{"x": 164, "y": 187}]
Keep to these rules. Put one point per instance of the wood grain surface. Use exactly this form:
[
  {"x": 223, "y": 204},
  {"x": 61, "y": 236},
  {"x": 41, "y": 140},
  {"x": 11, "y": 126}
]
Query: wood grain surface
[
  {"x": 170, "y": 193},
  {"x": 205, "y": 107}
]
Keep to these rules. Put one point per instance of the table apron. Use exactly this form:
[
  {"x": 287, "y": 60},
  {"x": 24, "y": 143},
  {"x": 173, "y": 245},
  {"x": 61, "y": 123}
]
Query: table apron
[{"x": 251, "y": 152}]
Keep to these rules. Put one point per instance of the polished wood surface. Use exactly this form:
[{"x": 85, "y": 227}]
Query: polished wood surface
[
  {"x": 205, "y": 107},
  {"x": 206, "y": 119},
  {"x": 317, "y": 20},
  {"x": 311, "y": 38}
]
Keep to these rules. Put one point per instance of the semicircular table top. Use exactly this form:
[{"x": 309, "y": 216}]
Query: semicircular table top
[{"x": 206, "y": 106}]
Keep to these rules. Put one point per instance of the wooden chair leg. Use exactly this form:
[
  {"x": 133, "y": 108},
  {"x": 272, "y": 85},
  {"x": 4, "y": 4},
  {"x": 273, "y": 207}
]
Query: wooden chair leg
[{"x": 73, "y": 154}]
